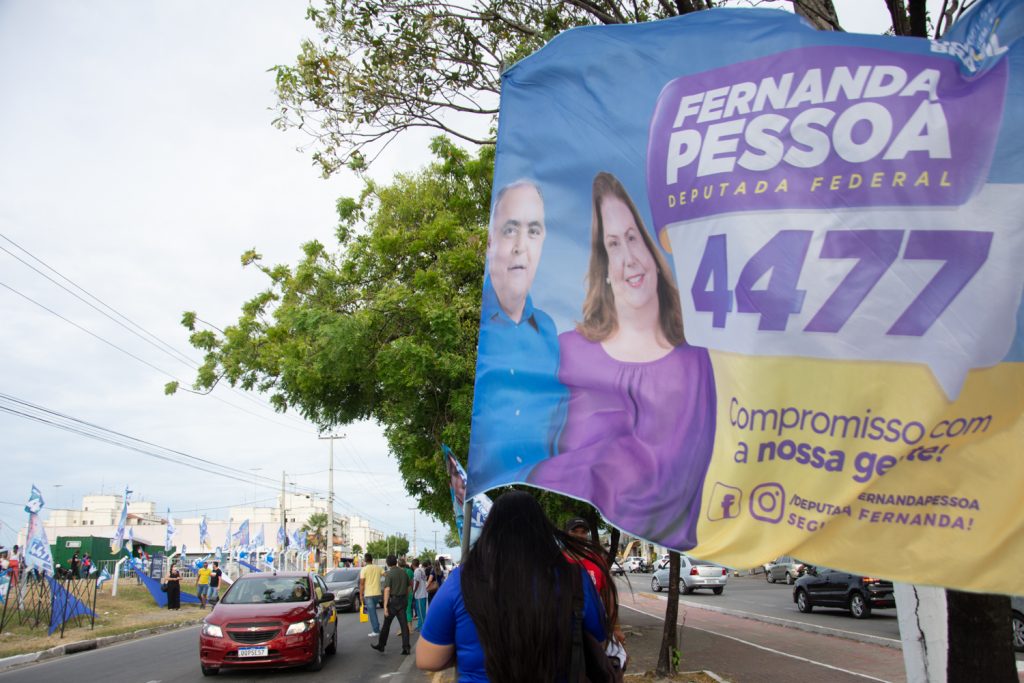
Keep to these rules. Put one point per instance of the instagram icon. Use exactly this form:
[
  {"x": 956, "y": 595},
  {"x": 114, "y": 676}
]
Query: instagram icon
[
  {"x": 768, "y": 502},
  {"x": 725, "y": 502}
]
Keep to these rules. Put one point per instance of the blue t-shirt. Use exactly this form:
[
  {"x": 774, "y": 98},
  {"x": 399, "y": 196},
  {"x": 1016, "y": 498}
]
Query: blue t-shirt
[
  {"x": 519, "y": 404},
  {"x": 448, "y": 623}
]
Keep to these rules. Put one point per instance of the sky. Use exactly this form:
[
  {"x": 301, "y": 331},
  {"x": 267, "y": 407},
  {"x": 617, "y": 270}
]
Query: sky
[{"x": 138, "y": 160}]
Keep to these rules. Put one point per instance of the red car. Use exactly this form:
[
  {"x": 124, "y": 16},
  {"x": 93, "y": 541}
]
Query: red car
[{"x": 270, "y": 620}]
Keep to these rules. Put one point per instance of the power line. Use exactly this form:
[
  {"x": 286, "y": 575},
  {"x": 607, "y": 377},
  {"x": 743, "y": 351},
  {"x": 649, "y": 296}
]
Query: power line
[
  {"x": 19, "y": 407},
  {"x": 141, "y": 360},
  {"x": 159, "y": 344}
]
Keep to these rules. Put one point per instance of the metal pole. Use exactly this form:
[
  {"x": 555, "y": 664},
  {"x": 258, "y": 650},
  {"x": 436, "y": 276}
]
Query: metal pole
[
  {"x": 284, "y": 521},
  {"x": 412, "y": 550},
  {"x": 330, "y": 502}
]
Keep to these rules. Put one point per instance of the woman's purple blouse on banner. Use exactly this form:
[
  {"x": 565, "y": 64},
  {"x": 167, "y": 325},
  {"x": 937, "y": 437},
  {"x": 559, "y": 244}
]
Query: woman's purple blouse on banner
[{"x": 638, "y": 438}]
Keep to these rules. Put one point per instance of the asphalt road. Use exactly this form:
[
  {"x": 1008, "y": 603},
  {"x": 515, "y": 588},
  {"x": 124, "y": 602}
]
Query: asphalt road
[
  {"x": 174, "y": 657},
  {"x": 754, "y": 595}
]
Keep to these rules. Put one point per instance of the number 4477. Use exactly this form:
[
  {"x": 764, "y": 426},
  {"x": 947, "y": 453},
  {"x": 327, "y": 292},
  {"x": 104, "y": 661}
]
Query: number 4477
[{"x": 962, "y": 251}]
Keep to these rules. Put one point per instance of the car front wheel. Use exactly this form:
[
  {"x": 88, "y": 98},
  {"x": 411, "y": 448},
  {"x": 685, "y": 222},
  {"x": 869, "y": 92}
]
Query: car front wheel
[
  {"x": 859, "y": 607},
  {"x": 655, "y": 584},
  {"x": 768, "y": 576},
  {"x": 317, "y": 662},
  {"x": 803, "y": 603},
  {"x": 789, "y": 579}
]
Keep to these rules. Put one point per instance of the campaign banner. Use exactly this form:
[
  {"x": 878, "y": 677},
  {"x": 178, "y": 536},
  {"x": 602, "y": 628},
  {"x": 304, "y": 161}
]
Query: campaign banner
[{"x": 754, "y": 289}]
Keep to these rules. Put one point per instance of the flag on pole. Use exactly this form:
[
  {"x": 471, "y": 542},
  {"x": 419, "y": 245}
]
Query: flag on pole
[
  {"x": 198, "y": 562},
  {"x": 204, "y": 535},
  {"x": 241, "y": 537},
  {"x": 269, "y": 559},
  {"x": 130, "y": 541},
  {"x": 282, "y": 537},
  {"x": 117, "y": 540},
  {"x": 168, "y": 540},
  {"x": 104, "y": 577},
  {"x": 259, "y": 541},
  {"x": 37, "y": 547},
  {"x": 457, "y": 487},
  {"x": 227, "y": 538},
  {"x": 35, "y": 501}
]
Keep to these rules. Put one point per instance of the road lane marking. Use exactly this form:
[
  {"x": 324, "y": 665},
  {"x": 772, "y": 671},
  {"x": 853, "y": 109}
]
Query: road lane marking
[
  {"x": 766, "y": 649},
  {"x": 758, "y": 616}
]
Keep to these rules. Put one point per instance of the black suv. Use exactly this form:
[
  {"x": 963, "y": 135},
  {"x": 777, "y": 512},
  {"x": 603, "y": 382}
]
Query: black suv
[{"x": 823, "y": 587}]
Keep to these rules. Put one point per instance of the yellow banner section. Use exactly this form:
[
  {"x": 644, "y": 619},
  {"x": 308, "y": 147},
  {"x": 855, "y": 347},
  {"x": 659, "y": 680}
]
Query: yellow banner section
[{"x": 868, "y": 467}]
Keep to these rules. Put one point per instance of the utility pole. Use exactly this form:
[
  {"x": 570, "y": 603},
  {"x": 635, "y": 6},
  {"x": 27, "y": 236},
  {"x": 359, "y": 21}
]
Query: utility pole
[
  {"x": 330, "y": 501},
  {"x": 284, "y": 527},
  {"x": 413, "y": 548},
  {"x": 435, "y": 542}
]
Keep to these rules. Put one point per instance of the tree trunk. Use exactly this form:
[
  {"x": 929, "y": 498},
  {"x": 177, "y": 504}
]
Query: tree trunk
[
  {"x": 821, "y": 13},
  {"x": 666, "y": 665},
  {"x": 918, "y": 18},
  {"x": 980, "y": 646},
  {"x": 898, "y": 14}
]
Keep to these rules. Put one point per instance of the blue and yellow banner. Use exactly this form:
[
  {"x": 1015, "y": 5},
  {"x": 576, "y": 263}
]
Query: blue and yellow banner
[{"x": 754, "y": 289}]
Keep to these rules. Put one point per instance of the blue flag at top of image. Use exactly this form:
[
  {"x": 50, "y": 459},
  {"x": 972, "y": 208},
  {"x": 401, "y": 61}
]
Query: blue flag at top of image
[
  {"x": 754, "y": 289},
  {"x": 35, "y": 501},
  {"x": 457, "y": 488}
]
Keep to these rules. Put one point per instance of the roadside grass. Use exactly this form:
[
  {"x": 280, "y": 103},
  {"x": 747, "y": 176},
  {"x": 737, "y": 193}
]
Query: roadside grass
[{"x": 132, "y": 610}]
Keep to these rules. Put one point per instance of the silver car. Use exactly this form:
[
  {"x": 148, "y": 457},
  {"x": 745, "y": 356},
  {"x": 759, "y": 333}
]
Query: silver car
[
  {"x": 693, "y": 574},
  {"x": 785, "y": 569}
]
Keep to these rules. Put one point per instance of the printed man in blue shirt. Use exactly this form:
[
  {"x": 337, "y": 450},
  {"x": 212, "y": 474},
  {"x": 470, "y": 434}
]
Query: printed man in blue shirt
[{"x": 518, "y": 398}]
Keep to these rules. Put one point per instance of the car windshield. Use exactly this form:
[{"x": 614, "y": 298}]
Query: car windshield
[
  {"x": 340, "y": 575},
  {"x": 269, "y": 589}
]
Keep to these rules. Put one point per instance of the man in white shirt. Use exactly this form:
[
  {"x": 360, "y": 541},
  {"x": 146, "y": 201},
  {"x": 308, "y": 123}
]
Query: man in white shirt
[{"x": 419, "y": 593}]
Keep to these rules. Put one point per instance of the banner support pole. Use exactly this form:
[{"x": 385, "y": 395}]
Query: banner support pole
[{"x": 467, "y": 527}]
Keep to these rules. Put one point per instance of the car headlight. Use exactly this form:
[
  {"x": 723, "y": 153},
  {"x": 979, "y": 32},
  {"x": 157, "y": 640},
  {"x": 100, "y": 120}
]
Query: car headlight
[
  {"x": 213, "y": 631},
  {"x": 300, "y": 627}
]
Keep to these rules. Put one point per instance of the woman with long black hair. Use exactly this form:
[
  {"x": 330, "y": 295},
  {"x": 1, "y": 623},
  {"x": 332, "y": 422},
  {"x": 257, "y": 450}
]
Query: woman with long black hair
[{"x": 505, "y": 615}]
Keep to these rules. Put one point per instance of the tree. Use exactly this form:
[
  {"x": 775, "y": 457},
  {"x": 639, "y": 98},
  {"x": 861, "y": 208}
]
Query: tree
[
  {"x": 357, "y": 550},
  {"x": 380, "y": 67},
  {"x": 427, "y": 554},
  {"x": 667, "y": 657},
  {"x": 315, "y": 529},
  {"x": 392, "y": 545},
  {"x": 384, "y": 328}
]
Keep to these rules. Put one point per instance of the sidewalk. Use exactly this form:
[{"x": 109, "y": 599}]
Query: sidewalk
[{"x": 737, "y": 650}]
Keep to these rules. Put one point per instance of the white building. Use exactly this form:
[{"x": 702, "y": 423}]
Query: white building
[{"x": 100, "y": 513}]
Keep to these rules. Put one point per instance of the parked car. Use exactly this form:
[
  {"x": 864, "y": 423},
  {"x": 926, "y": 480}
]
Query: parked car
[
  {"x": 785, "y": 569},
  {"x": 693, "y": 574},
  {"x": 634, "y": 564},
  {"x": 823, "y": 587},
  {"x": 344, "y": 583},
  {"x": 1017, "y": 604},
  {"x": 270, "y": 620}
]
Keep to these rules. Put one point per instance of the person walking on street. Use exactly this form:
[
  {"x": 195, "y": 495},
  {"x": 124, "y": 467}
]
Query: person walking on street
[
  {"x": 396, "y": 595},
  {"x": 203, "y": 583},
  {"x": 174, "y": 588},
  {"x": 409, "y": 602},
  {"x": 369, "y": 591},
  {"x": 419, "y": 593},
  {"x": 212, "y": 593}
]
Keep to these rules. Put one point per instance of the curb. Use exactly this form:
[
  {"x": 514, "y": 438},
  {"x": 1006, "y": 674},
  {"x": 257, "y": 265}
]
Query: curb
[
  {"x": 789, "y": 623},
  {"x": 16, "y": 661}
]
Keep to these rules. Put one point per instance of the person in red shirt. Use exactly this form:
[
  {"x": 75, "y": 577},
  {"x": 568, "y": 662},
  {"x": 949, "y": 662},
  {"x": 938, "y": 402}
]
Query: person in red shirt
[{"x": 580, "y": 528}]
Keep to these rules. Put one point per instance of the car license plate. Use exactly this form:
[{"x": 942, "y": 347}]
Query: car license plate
[{"x": 252, "y": 651}]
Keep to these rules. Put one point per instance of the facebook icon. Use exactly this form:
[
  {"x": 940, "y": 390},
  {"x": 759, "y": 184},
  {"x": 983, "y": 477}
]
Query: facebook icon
[{"x": 725, "y": 502}]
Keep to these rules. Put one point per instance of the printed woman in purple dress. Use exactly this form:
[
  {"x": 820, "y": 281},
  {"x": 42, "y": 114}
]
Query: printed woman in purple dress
[{"x": 641, "y": 417}]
